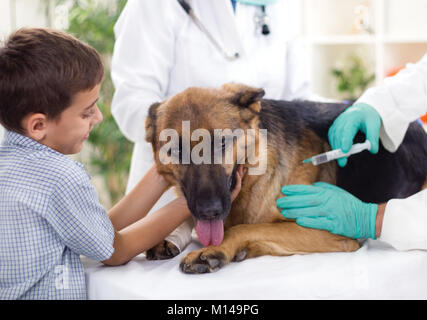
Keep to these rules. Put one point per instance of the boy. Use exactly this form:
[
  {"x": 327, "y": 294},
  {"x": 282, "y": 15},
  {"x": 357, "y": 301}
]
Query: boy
[{"x": 49, "y": 211}]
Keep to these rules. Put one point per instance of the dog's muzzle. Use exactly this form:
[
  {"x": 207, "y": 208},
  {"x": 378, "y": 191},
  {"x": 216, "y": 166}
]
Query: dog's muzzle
[{"x": 211, "y": 214}]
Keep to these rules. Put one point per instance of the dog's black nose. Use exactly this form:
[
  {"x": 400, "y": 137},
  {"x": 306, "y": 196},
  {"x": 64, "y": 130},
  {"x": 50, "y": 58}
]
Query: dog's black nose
[{"x": 208, "y": 209}]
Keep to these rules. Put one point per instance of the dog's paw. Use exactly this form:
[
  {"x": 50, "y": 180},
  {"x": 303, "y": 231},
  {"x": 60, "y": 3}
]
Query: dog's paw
[
  {"x": 164, "y": 250},
  {"x": 241, "y": 255},
  {"x": 205, "y": 260}
]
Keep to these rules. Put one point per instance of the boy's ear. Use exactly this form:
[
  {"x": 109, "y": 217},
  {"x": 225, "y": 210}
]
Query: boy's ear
[
  {"x": 151, "y": 125},
  {"x": 35, "y": 126}
]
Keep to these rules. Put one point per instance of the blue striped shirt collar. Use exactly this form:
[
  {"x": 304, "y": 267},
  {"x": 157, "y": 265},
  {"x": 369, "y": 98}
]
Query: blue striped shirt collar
[{"x": 14, "y": 138}]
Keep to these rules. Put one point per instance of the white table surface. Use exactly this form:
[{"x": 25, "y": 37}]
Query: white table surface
[{"x": 376, "y": 271}]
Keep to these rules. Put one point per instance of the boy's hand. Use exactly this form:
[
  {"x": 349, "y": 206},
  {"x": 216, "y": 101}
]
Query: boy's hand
[
  {"x": 158, "y": 178},
  {"x": 240, "y": 173}
]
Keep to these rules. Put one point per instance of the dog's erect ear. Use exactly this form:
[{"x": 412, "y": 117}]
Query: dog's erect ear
[
  {"x": 245, "y": 96},
  {"x": 150, "y": 125}
]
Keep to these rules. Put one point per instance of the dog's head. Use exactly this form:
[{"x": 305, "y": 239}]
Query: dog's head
[{"x": 196, "y": 136}]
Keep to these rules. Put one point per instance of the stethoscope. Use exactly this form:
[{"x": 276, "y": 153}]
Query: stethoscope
[{"x": 260, "y": 20}]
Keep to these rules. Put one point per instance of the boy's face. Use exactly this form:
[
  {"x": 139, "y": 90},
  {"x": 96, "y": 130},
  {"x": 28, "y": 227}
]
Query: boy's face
[{"x": 67, "y": 134}]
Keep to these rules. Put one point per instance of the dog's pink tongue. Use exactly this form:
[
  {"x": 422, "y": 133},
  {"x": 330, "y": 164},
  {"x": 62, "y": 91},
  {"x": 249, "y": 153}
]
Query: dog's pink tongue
[{"x": 210, "y": 232}]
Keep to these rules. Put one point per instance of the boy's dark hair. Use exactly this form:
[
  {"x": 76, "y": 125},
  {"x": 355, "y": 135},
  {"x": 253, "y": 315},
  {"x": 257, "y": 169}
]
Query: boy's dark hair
[{"x": 40, "y": 72}]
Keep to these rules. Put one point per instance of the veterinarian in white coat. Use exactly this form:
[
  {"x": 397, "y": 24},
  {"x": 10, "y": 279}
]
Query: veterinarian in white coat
[
  {"x": 160, "y": 51},
  {"x": 385, "y": 113}
]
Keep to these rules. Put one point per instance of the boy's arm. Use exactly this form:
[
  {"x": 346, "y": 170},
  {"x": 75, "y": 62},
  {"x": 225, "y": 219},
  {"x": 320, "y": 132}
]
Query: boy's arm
[
  {"x": 139, "y": 201},
  {"x": 146, "y": 233}
]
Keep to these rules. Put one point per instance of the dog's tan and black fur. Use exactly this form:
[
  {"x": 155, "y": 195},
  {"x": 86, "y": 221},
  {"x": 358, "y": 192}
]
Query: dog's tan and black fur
[{"x": 296, "y": 130}]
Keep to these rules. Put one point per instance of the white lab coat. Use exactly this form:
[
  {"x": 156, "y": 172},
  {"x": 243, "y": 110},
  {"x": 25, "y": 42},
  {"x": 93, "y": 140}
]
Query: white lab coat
[
  {"x": 400, "y": 100},
  {"x": 159, "y": 52}
]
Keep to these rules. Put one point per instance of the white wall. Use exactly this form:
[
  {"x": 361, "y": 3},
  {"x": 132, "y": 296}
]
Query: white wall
[
  {"x": 399, "y": 36},
  {"x": 401, "y": 32},
  {"x": 15, "y": 14}
]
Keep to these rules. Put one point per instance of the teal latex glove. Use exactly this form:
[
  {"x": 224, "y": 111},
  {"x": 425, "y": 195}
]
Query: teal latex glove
[
  {"x": 328, "y": 207},
  {"x": 360, "y": 116}
]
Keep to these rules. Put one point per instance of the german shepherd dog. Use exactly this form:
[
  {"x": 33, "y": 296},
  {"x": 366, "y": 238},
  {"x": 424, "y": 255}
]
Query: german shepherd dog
[{"x": 296, "y": 130}]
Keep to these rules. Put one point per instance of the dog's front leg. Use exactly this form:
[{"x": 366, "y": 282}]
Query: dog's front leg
[
  {"x": 173, "y": 244},
  {"x": 253, "y": 240}
]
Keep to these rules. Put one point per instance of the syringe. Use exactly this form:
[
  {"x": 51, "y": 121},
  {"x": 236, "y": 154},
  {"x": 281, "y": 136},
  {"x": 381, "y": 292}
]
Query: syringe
[{"x": 337, "y": 153}]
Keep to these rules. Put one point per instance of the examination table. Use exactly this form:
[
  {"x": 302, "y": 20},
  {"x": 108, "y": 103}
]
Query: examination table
[{"x": 375, "y": 271}]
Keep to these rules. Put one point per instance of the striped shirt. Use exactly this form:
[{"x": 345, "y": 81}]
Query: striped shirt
[{"x": 49, "y": 216}]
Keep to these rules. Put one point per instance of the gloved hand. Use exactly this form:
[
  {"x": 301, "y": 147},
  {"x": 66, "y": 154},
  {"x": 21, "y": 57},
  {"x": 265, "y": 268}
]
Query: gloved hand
[
  {"x": 360, "y": 116},
  {"x": 328, "y": 207}
]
